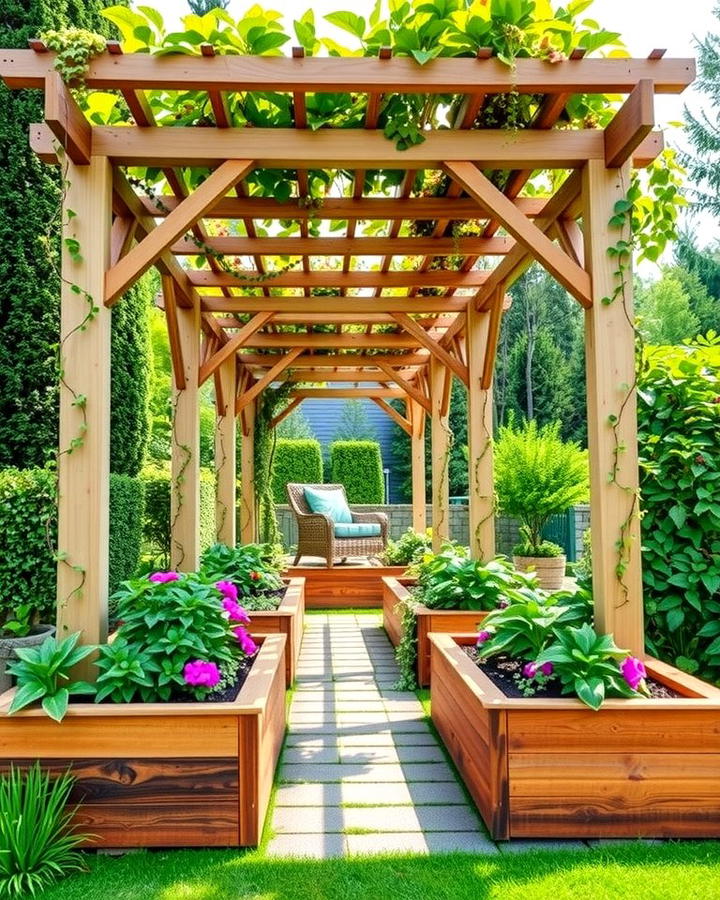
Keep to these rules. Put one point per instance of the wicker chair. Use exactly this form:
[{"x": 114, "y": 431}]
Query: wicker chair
[{"x": 316, "y": 532}]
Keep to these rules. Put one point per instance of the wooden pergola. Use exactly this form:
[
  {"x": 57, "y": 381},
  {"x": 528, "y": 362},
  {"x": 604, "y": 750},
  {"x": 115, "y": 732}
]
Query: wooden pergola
[{"x": 389, "y": 337}]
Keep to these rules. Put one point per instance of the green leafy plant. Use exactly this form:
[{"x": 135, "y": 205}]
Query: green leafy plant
[
  {"x": 38, "y": 843},
  {"x": 406, "y": 650},
  {"x": 167, "y": 621},
  {"x": 522, "y": 628},
  {"x": 450, "y": 581},
  {"x": 587, "y": 665},
  {"x": 410, "y": 548},
  {"x": 254, "y": 569},
  {"x": 543, "y": 550},
  {"x": 537, "y": 475},
  {"x": 43, "y": 673}
]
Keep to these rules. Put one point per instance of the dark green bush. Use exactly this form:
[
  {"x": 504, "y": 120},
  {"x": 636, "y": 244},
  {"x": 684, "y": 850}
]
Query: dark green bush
[
  {"x": 156, "y": 527},
  {"x": 127, "y": 511},
  {"x": 679, "y": 419},
  {"x": 28, "y": 528},
  {"x": 358, "y": 466},
  {"x": 295, "y": 460}
]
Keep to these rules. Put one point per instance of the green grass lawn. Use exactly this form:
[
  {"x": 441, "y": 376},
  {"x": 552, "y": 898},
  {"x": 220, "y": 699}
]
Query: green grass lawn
[{"x": 684, "y": 871}]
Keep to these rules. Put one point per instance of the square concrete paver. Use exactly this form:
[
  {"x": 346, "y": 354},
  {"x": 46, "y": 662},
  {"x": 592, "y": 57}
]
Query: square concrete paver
[
  {"x": 309, "y": 820},
  {"x": 377, "y": 844},
  {"x": 382, "y": 818},
  {"x": 375, "y": 794},
  {"x": 369, "y": 755},
  {"x": 311, "y": 755},
  {"x": 313, "y": 846},
  {"x": 309, "y": 795}
]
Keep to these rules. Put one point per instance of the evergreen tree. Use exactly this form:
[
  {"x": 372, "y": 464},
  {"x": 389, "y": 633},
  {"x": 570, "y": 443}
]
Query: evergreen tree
[
  {"x": 354, "y": 424},
  {"x": 664, "y": 313},
  {"x": 296, "y": 426},
  {"x": 705, "y": 266},
  {"x": 703, "y": 130},
  {"x": 200, "y": 7}
]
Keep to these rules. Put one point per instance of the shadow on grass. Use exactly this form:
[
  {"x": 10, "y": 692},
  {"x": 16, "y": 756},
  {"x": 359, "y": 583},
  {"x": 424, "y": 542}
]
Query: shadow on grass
[{"x": 673, "y": 871}]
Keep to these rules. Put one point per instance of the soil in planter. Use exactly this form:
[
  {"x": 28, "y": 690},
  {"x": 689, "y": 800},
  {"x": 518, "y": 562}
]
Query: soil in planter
[
  {"x": 501, "y": 670},
  {"x": 228, "y": 695}
]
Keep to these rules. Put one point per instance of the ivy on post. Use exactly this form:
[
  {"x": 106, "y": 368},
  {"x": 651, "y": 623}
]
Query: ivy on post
[
  {"x": 225, "y": 452},
  {"x": 84, "y": 448},
  {"x": 441, "y": 442}
]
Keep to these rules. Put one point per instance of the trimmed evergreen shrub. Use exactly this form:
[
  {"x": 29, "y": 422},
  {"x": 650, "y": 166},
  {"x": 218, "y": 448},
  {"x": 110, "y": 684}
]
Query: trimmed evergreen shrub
[
  {"x": 295, "y": 460},
  {"x": 127, "y": 510},
  {"x": 28, "y": 527},
  {"x": 358, "y": 466}
]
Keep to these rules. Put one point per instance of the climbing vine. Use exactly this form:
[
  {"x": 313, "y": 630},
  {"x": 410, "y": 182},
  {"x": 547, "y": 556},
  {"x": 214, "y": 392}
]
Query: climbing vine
[
  {"x": 270, "y": 402},
  {"x": 406, "y": 650}
]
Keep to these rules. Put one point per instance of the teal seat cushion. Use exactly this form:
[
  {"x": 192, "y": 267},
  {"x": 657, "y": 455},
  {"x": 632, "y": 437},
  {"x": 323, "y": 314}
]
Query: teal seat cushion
[
  {"x": 329, "y": 503},
  {"x": 357, "y": 530}
]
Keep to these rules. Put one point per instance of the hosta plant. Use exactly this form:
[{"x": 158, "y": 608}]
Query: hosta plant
[
  {"x": 254, "y": 569},
  {"x": 522, "y": 628},
  {"x": 454, "y": 582},
  {"x": 38, "y": 844},
  {"x": 44, "y": 673}
]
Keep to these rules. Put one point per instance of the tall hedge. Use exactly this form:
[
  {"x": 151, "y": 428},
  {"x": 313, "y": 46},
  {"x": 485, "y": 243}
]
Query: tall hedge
[
  {"x": 28, "y": 525},
  {"x": 358, "y": 466},
  {"x": 295, "y": 460},
  {"x": 127, "y": 510},
  {"x": 29, "y": 288}
]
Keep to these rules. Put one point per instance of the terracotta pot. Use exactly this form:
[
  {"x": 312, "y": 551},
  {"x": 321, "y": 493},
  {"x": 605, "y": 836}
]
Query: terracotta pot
[
  {"x": 550, "y": 570},
  {"x": 8, "y": 645}
]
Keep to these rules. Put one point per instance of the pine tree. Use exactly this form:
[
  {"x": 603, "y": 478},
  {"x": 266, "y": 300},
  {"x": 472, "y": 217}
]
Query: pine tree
[
  {"x": 703, "y": 265},
  {"x": 703, "y": 130},
  {"x": 200, "y": 7}
]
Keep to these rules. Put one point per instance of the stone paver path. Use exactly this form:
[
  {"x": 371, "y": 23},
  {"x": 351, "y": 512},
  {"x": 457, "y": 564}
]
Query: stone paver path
[{"x": 361, "y": 771}]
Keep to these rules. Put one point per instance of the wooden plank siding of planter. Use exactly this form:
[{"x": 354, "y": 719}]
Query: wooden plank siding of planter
[
  {"x": 287, "y": 619},
  {"x": 443, "y": 621},
  {"x": 552, "y": 768},
  {"x": 344, "y": 587},
  {"x": 164, "y": 774}
]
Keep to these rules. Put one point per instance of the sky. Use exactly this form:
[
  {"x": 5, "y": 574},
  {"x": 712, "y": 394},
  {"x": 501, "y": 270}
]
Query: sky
[{"x": 644, "y": 25}]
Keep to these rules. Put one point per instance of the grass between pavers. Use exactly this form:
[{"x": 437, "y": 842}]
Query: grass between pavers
[
  {"x": 651, "y": 872},
  {"x": 350, "y": 611}
]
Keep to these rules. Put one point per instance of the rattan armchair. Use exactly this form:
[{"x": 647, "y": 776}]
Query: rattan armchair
[{"x": 316, "y": 532}]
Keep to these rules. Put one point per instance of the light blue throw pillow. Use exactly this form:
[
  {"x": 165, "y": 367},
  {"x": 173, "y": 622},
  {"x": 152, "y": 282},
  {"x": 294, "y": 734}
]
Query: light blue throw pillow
[{"x": 329, "y": 503}]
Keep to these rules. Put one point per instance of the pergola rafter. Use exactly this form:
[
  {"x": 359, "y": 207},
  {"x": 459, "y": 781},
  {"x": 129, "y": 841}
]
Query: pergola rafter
[{"x": 402, "y": 312}]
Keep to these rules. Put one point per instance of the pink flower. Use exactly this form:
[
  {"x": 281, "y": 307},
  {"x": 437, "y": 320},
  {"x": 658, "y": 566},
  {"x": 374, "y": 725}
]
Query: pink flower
[
  {"x": 227, "y": 589},
  {"x": 201, "y": 673},
  {"x": 247, "y": 644},
  {"x": 483, "y": 636},
  {"x": 633, "y": 671},
  {"x": 236, "y": 612},
  {"x": 163, "y": 577},
  {"x": 530, "y": 670},
  {"x": 547, "y": 668}
]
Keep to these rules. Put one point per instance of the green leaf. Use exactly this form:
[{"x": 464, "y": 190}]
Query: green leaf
[
  {"x": 25, "y": 695},
  {"x": 347, "y": 21},
  {"x": 679, "y": 515},
  {"x": 55, "y": 705}
]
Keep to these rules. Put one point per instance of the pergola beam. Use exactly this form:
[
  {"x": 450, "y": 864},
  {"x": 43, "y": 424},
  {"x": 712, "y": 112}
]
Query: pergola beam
[
  {"x": 348, "y": 393},
  {"x": 202, "y": 278},
  {"x": 392, "y": 413},
  {"x": 248, "y": 396},
  {"x": 411, "y": 390},
  {"x": 630, "y": 125},
  {"x": 336, "y": 360},
  {"x": 331, "y": 306},
  {"x": 436, "y": 349},
  {"x": 234, "y": 344},
  {"x": 66, "y": 120}
]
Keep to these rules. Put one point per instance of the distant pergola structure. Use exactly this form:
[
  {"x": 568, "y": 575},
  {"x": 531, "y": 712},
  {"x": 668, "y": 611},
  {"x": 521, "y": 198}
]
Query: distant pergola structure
[{"x": 411, "y": 340}]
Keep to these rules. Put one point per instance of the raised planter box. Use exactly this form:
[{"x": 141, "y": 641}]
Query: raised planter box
[
  {"x": 344, "y": 587},
  {"x": 165, "y": 774},
  {"x": 437, "y": 620},
  {"x": 287, "y": 619},
  {"x": 553, "y": 768}
]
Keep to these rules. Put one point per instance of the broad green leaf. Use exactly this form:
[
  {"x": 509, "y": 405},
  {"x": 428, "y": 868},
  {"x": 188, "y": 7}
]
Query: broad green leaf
[{"x": 56, "y": 704}]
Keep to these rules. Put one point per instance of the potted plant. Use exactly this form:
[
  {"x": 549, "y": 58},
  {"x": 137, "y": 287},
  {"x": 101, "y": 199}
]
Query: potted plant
[
  {"x": 538, "y": 475},
  {"x": 20, "y": 629}
]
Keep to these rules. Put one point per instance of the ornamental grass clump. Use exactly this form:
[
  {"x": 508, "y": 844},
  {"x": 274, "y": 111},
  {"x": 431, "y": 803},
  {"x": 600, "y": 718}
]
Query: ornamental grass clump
[
  {"x": 550, "y": 639},
  {"x": 254, "y": 570},
  {"x": 537, "y": 475}
]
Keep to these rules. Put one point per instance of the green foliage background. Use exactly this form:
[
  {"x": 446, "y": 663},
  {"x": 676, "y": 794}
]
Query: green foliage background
[
  {"x": 127, "y": 508},
  {"x": 358, "y": 466},
  {"x": 295, "y": 460}
]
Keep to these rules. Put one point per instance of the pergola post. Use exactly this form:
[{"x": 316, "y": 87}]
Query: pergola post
[
  {"x": 417, "y": 456},
  {"x": 481, "y": 500},
  {"x": 248, "y": 515},
  {"x": 440, "y": 382},
  {"x": 84, "y": 459},
  {"x": 225, "y": 453},
  {"x": 185, "y": 467},
  {"x": 612, "y": 419}
]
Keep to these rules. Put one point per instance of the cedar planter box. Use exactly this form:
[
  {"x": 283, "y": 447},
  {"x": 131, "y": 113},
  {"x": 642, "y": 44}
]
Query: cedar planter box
[
  {"x": 553, "y": 768},
  {"x": 344, "y": 587},
  {"x": 437, "y": 620},
  {"x": 165, "y": 774},
  {"x": 287, "y": 619}
]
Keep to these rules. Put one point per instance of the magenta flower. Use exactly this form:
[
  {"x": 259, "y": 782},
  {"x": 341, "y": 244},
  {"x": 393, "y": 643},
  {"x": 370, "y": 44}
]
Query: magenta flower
[
  {"x": 530, "y": 670},
  {"x": 547, "y": 668},
  {"x": 236, "y": 612},
  {"x": 483, "y": 636},
  {"x": 163, "y": 577},
  {"x": 247, "y": 644},
  {"x": 227, "y": 589},
  {"x": 633, "y": 671},
  {"x": 200, "y": 673}
]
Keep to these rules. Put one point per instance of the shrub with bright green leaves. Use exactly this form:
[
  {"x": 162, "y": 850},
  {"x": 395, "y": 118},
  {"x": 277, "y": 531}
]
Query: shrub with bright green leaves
[
  {"x": 295, "y": 461},
  {"x": 410, "y": 548},
  {"x": 537, "y": 475},
  {"x": 28, "y": 525},
  {"x": 127, "y": 510},
  {"x": 38, "y": 843},
  {"x": 358, "y": 466},
  {"x": 451, "y": 581},
  {"x": 254, "y": 569},
  {"x": 679, "y": 438}
]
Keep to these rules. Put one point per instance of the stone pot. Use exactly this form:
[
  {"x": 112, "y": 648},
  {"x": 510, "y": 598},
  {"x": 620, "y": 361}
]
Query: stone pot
[
  {"x": 7, "y": 650},
  {"x": 550, "y": 570}
]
